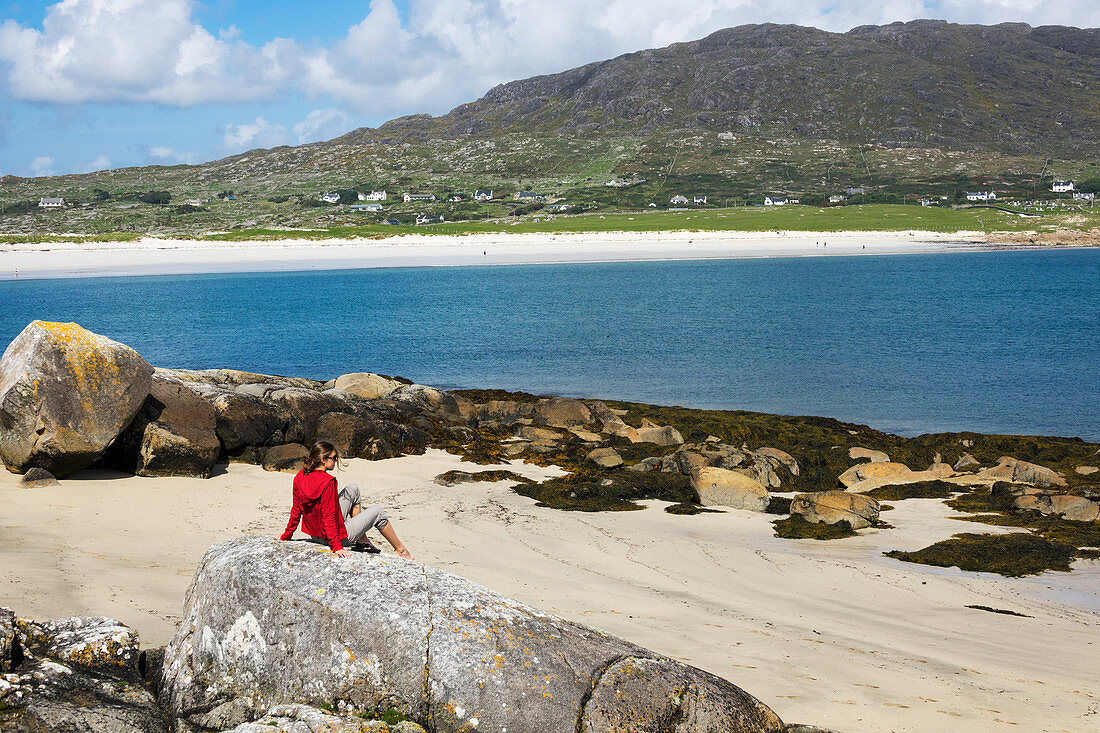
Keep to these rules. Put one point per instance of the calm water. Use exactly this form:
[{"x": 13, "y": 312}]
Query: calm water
[{"x": 993, "y": 342}]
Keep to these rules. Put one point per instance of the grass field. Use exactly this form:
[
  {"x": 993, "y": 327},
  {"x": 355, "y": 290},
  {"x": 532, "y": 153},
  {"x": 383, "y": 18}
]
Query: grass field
[{"x": 873, "y": 217}]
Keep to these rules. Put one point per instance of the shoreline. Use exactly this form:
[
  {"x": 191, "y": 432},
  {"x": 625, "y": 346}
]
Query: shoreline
[{"x": 150, "y": 256}]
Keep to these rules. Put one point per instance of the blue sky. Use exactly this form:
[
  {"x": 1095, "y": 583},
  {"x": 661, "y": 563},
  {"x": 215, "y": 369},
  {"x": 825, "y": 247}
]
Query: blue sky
[{"x": 92, "y": 84}]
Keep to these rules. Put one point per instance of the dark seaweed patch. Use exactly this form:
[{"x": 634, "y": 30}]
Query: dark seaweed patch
[
  {"x": 795, "y": 527},
  {"x": 1012, "y": 555},
  {"x": 917, "y": 490},
  {"x": 1005, "y": 611},
  {"x": 593, "y": 490}
]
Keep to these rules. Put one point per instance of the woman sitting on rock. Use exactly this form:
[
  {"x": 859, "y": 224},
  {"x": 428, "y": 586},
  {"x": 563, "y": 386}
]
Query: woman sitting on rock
[{"x": 331, "y": 517}]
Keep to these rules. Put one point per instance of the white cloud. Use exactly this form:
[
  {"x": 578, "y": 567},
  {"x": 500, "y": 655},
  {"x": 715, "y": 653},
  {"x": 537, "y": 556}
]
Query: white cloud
[
  {"x": 438, "y": 54},
  {"x": 167, "y": 156},
  {"x": 322, "y": 124},
  {"x": 258, "y": 134},
  {"x": 101, "y": 163},
  {"x": 42, "y": 166}
]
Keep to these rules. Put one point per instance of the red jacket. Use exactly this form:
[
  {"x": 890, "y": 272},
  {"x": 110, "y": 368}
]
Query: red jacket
[{"x": 317, "y": 505}]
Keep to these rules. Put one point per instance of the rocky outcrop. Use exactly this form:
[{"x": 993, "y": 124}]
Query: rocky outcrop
[
  {"x": 75, "y": 675},
  {"x": 1066, "y": 506},
  {"x": 173, "y": 434},
  {"x": 361, "y": 436},
  {"x": 269, "y": 623},
  {"x": 831, "y": 507},
  {"x": 720, "y": 487},
  {"x": 65, "y": 393},
  {"x": 1022, "y": 472}
]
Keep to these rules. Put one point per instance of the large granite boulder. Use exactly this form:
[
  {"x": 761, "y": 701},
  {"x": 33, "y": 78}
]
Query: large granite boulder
[
  {"x": 561, "y": 412},
  {"x": 503, "y": 412},
  {"x": 864, "y": 471},
  {"x": 173, "y": 434},
  {"x": 784, "y": 458},
  {"x": 721, "y": 487},
  {"x": 831, "y": 507},
  {"x": 75, "y": 675},
  {"x": 874, "y": 456},
  {"x": 286, "y": 457},
  {"x": 269, "y": 623},
  {"x": 65, "y": 394},
  {"x": 368, "y": 386},
  {"x": 361, "y": 436},
  {"x": 243, "y": 420}
]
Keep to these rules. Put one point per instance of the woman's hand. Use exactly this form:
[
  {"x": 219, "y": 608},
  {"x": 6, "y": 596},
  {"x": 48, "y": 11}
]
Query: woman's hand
[{"x": 342, "y": 553}]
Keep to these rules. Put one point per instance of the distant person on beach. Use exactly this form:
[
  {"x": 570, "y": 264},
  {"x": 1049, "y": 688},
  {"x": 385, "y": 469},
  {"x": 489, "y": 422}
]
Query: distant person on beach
[{"x": 335, "y": 517}]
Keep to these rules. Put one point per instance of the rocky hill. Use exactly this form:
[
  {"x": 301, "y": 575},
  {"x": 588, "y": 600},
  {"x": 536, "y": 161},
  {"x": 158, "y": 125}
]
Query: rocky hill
[{"x": 927, "y": 83}]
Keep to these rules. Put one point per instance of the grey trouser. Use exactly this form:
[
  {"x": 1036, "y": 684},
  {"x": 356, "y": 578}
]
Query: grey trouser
[{"x": 371, "y": 516}]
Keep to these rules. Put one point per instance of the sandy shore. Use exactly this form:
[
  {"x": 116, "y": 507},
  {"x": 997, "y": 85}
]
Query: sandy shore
[
  {"x": 162, "y": 256},
  {"x": 825, "y": 632}
]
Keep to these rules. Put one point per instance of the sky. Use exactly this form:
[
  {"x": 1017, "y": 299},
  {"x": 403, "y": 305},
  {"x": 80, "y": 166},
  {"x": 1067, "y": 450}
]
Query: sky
[{"x": 87, "y": 85}]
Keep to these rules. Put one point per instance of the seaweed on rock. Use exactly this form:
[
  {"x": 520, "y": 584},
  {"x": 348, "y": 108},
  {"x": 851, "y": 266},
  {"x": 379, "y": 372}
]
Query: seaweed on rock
[
  {"x": 916, "y": 490},
  {"x": 593, "y": 490}
]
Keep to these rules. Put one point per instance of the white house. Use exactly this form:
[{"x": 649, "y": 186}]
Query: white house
[
  {"x": 419, "y": 197},
  {"x": 428, "y": 219},
  {"x": 51, "y": 203},
  {"x": 374, "y": 206},
  {"x": 794, "y": 201},
  {"x": 331, "y": 198},
  {"x": 927, "y": 202},
  {"x": 1062, "y": 186},
  {"x": 678, "y": 199},
  {"x": 373, "y": 196},
  {"x": 857, "y": 191},
  {"x": 774, "y": 201},
  {"x": 837, "y": 199},
  {"x": 1084, "y": 196},
  {"x": 700, "y": 200},
  {"x": 529, "y": 196},
  {"x": 981, "y": 196},
  {"x": 193, "y": 202},
  {"x": 483, "y": 195}
]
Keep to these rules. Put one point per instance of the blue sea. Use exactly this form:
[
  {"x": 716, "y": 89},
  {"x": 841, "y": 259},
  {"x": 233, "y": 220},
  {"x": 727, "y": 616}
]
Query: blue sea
[{"x": 998, "y": 342}]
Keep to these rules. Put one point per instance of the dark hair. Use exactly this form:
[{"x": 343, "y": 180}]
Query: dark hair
[{"x": 319, "y": 450}]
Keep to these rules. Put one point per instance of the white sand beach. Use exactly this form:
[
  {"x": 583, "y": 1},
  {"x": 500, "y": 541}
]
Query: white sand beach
[
  {"x": 830, "y": 633},
  {"x": 151, "y": 256}
]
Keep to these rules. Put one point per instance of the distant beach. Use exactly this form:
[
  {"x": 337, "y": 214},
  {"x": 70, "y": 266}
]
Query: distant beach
[{"x": 151, "y": 256}]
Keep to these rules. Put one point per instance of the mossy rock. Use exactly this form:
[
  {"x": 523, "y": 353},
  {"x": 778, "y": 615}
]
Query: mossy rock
[
  {"x": 486, "y": 395},
  {"x": 1012, "y": 555},
  {"x": 795, "y": 527},
  {"x": 450, "y": 478}
]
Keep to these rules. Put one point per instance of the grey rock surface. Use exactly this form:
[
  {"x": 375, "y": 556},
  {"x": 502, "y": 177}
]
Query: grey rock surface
[
  {"x": 38, "y": 478},
  {"x": 831, "y": 507},
  {"x": 65, "y": 393},
  {"x": 304, "y": 719},
  {"x": 77, "y": 675},
  {"x": 269, "y": 623}
]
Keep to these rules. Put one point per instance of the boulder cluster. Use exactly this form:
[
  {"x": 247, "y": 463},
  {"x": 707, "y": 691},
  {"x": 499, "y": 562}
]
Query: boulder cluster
[{"x": 276, "y": 636}]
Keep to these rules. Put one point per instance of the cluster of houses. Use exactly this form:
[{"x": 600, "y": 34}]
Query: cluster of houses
[{"x": 1070, "y": 188}]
